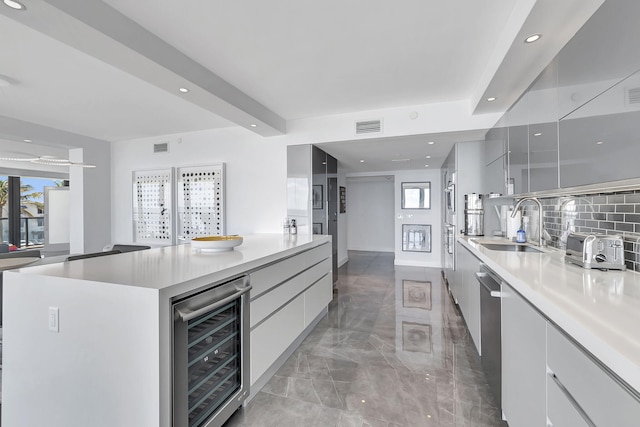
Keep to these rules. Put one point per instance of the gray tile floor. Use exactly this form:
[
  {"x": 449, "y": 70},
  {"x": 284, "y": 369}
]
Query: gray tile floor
[{"x": 393, "y": 351}]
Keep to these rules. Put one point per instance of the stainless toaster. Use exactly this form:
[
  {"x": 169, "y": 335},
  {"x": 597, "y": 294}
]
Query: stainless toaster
[{"x": 599, "y": 251}]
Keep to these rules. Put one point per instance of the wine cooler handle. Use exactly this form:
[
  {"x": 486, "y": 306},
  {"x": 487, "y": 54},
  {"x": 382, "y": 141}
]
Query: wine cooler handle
[{"x": 188, "y": 315}]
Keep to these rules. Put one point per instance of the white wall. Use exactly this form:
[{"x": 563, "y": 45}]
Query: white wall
[
  {"x": 431, "y": 216},
  {"x": 370, "y": 212},
  {"x": 256, "y": 166},
  {"x": 256, "y": 172}
]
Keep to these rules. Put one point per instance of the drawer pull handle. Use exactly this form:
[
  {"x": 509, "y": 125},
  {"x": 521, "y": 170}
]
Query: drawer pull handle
[{"x": 572, "y": 400}]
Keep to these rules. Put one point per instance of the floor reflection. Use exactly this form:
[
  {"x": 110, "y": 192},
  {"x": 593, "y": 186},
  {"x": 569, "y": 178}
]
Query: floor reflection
[{"x": 393, "y": 351}]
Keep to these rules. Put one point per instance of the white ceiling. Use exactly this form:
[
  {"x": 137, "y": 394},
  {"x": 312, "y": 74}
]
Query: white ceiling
[{"x": 109, "y": 69}]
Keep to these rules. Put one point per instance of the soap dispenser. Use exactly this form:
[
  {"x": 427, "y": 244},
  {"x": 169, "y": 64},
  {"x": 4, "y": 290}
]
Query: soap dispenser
[{"x": 521, "y": 235}]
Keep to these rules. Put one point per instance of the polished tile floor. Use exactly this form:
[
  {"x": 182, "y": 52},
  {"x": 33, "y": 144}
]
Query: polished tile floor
[{"x": 393, "y": 351}]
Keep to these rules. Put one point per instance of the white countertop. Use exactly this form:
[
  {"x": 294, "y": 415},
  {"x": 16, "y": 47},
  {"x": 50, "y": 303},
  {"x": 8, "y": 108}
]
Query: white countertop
[
  {"x": 599, "y": 309},
  {"x": 161, "y": 268}
]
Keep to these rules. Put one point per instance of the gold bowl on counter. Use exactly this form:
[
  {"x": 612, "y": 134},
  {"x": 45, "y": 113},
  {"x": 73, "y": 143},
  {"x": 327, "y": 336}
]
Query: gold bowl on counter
[{"x": 216, "y": 243}]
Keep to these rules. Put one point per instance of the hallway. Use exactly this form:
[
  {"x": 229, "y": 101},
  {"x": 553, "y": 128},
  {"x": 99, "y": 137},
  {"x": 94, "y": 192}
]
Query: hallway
[{"x": 393, "y": 351}]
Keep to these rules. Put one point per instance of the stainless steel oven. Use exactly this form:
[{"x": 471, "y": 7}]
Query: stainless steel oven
[{"x": 211, "y": 354}]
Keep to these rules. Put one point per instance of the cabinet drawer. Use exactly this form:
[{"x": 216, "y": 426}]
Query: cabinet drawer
[
  {"x": 269, "y": 302},
  {"x": 560, "y": 410},
  {"x": 264, "y": 279},
  {"x": 605, "y": 400},
  {"x": 316, "y": 298},
  {"x": 274, "y": 336}
]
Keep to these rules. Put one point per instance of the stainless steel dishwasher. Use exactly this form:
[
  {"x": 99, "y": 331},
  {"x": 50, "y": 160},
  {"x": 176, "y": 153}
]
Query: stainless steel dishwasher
[
  {"x": 490, "y": 329},
  {"x": 211, "y": 354}
]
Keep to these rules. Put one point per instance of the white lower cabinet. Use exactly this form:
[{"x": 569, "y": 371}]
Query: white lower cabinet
[
  {"x": 286, "y": 298},
  {"x": 272, "y": 337},
  {"x": 590, "y": 390},
  {"x": 468, "y": 291},
  {"x": 561, "y": 412},
  {"x": 523, "y": 361}
]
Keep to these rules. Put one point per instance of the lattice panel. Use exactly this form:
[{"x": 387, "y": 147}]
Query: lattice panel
[
  {"x": 200, "y": 200},
  {"x": 152, "y": 206}
]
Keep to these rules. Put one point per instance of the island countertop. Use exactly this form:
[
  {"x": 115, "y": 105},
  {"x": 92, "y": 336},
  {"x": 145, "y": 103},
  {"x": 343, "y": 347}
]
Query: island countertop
[
  {"x": 599, "y": 309},
  {"x": 162, "y": 268}
]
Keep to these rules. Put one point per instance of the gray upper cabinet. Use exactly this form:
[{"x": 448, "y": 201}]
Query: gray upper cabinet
[
  {"x": 599, "y": 98},
  {"x": 542, "y": 106},
  {"x": 495, "y": 160},
  {"x": 518, "y": 145}
]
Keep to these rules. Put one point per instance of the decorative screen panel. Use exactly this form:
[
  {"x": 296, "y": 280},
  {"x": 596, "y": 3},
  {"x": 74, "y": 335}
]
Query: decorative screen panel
[
  {"x": 200, "y": 199},
  {"x": 152, "y": 206}
]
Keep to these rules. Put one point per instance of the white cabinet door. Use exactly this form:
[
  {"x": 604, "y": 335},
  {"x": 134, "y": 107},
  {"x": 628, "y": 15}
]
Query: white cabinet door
[
  {"x": 456, "y": 281},
  {"x": 560, "y": 410},
  {"x": 524, "y": 362},
  {"x": 472, "y": 290},
  {"x": 605, "y": 401},
  {"x": 467, "y": 291}
]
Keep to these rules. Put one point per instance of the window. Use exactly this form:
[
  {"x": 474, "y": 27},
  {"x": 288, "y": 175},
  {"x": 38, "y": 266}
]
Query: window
[{"x": 29, "y": 204}]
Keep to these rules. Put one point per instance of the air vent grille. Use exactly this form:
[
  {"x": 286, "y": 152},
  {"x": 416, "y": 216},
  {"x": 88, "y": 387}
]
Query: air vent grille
[
  {"x": 162, "y": 147},
  {"x": 368, "y": 126},
  {"x": 633, "y": 96}
]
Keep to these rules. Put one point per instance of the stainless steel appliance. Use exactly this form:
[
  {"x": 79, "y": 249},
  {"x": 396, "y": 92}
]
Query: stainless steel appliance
[
  {"x": 449, "y": 225},
  {"x": 450, "y": 198},
  {"x": 211, "y": 354},
  {"x": 490, "y": 329},
  {"x": 473, "y": 215},
  {"x": 599, "y": 251}
]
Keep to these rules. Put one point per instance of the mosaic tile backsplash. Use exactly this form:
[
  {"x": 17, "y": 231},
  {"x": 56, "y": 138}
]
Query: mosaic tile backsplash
[{"x": 606, "y": 213}]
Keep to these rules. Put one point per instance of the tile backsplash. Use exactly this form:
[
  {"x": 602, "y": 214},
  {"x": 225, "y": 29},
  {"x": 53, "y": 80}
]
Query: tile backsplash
[{"x": 606, "y": 213}]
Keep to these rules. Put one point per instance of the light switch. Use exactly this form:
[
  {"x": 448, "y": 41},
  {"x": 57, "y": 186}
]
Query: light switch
[{"x": 54, "y": 319}]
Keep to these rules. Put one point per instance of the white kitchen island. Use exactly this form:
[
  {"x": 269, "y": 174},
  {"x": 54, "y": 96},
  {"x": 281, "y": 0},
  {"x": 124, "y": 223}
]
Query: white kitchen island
[{"x": 110, "y": 363}]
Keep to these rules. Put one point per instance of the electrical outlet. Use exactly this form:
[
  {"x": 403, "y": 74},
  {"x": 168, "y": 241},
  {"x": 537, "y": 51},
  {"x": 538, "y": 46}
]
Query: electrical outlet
[{"x": 54, "y": 319}]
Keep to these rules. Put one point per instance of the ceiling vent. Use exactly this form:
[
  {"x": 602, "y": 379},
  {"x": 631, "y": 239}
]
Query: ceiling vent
[
  {"x": 369, "y": 126},
  {"x": 162, "y": 147},
  {"x": 633, "y": 96}
]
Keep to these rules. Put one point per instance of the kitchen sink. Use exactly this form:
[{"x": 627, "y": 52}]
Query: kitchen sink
[{"x": 507, "y": 247}]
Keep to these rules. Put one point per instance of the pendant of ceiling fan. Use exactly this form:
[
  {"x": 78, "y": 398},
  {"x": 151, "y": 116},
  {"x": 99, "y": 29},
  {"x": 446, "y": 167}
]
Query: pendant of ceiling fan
[{"x": 42, "y": 160}]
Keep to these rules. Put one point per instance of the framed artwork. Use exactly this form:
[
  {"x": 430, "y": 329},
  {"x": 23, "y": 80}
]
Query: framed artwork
[
  {"x": 416, "y": 294},
  {"x": 317, "y": 228},
  {"x": 200, "y": 201},
  {"x": 153, "y": 206},
  {"x": 416, "y": 237},
  {"x": 416, "y": 195},
  {"x": 416, "y": 337},
  {"x": 343, "y": 200},
  {"x": 317, "y": 197}
]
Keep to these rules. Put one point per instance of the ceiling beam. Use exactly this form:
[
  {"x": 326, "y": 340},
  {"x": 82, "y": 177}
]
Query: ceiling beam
[{"x": 97, "y": 29}]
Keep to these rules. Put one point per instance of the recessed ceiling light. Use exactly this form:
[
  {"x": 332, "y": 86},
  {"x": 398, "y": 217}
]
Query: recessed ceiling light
[
  {"x": 537, "y": 134},
  {"x": 426, "y": 166},
  {"x": 493, "y": 98},
  {"x": 15, "y": 5},
  {"x": 361, "y": 161},
  {"x": 27, "y": 140},
  {"x": 599, "y": 142},
  {"x": 428, "y": 157},
  {"x": 183, "y": 90},
  {"x": 533, "y": 38},
  {"x": 253, "y": 125},
  {"x": 430, "y": 142}
]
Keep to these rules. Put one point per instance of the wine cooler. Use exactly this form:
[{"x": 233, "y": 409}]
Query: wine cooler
[{"x": 211, "y": 354}]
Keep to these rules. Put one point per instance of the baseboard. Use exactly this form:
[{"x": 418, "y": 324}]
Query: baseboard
[
  {"x": 372, "y": 249},
  {"x": 411, "y": 263},
  {"x": 264, "y": 378},
  {"x": 343, "y": 261}
]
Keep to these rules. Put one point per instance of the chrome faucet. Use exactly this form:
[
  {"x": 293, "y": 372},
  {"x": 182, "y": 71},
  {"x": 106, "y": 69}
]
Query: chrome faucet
[{"x": 541, "y": 230}]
